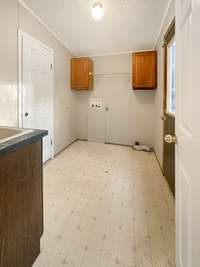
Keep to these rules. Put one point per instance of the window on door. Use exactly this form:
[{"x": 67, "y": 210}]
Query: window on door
[{"x": 171, "y": 77}]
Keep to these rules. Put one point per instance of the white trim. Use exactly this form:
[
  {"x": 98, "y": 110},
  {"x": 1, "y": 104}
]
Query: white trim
[
  {"x": 22, "y": 34},
  {"x": 20, "y": 88},
  {"x": 93, "y": 55},
  {"x": 117, "y": 53},
  {"x": 45, "y": 25},
  {"x": 52, "y": 104},
  {"x": 163, "y": 22}
]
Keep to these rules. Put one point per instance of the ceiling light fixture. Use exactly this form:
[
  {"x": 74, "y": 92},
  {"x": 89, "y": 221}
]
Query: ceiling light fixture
[{"x": 97, "y": 11}]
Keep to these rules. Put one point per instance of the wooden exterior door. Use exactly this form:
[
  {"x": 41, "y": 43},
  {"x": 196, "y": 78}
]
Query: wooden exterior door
[
  {"x": 169, "y": 151},
  {"x": 169, "y": 106}
]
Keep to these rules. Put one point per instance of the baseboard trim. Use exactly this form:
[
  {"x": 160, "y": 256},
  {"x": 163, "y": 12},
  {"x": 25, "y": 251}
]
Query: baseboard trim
[
  {"x": 158, "y": 162},
  {"x": 74, "y": 141},
  {"x": 86, "y": 140},
  {"x": 117, "y": 144}
]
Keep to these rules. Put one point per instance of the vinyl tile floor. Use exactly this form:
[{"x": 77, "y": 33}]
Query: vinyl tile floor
[{"x": 106, "y": 206}]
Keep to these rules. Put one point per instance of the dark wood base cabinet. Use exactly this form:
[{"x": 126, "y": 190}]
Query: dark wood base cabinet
[{"x": 21, "y": 206}]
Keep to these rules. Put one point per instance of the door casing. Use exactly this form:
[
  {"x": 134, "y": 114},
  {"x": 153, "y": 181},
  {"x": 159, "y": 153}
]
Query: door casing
[{"x": 22, "y": 34}]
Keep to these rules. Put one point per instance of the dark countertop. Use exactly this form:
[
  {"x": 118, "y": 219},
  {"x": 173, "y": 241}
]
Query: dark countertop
[{"x": 19, "y": 142}]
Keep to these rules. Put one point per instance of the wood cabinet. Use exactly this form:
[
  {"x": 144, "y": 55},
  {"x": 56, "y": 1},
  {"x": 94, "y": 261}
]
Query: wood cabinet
[
  {"x": 21, "y": 206},
  {"x": 82, "y": 73},
  {"x": 144, "y": 70}
]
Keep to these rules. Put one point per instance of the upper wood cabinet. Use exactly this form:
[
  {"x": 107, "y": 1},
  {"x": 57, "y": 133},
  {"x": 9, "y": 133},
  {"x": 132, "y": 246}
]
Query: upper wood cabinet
[
  {"x": 82, "y": 73},
  {"x": 144, "y": 70}
]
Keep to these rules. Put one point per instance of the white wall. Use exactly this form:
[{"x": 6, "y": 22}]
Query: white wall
[
  {"x": 8, "y": 62},
  {"x": 64, "y": 102},
  {"x": 131, "y": 113},
  {"x": 12, "y": 16},
  {"x": 158, "y": 132}
]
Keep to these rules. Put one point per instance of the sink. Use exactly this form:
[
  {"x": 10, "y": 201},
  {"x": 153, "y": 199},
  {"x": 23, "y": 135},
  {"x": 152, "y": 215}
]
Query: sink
[{"x": 7, "y": 133}]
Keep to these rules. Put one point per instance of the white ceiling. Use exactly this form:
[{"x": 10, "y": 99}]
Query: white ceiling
[{"x": 127, "y": 25}]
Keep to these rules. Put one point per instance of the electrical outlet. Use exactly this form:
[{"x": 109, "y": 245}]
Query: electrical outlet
[{"x": 96, "y": 104}]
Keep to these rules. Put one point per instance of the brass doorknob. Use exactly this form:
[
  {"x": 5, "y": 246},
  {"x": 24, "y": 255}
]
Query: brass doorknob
[
  {"x": 163, "y": 118},
  {"x": 170, "y": 139}
]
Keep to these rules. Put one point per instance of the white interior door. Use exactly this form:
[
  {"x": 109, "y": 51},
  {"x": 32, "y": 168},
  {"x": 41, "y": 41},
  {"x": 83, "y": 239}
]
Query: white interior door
[
  {"x": 117, "y": 123},
  {"x": 119, "y": 129},
  {"x": 188, "y": 132},
  {"x": 37, "y": 86}
]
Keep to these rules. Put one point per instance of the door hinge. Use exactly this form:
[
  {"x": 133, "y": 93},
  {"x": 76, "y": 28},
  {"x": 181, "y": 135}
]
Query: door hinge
[
  {"x": 51, "y": 66},
  {"x": 51, "y": 142}
]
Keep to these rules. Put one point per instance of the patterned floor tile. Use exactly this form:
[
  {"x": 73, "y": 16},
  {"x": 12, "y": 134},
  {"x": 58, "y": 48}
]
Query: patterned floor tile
[{"x": 106, "y": 206}]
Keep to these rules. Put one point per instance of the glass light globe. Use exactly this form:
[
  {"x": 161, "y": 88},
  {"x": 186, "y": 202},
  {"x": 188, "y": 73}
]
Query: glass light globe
[{"x": 97, "y": 11}]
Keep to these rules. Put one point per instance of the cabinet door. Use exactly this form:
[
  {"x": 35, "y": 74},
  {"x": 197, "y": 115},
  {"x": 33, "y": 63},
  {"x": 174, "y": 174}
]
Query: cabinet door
[
  {"x": 81, "y": 70},
  {"x": 21, "y": 206},
  {"x": 144, "y": 70},
  {"x": 90, "y": 74}
]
